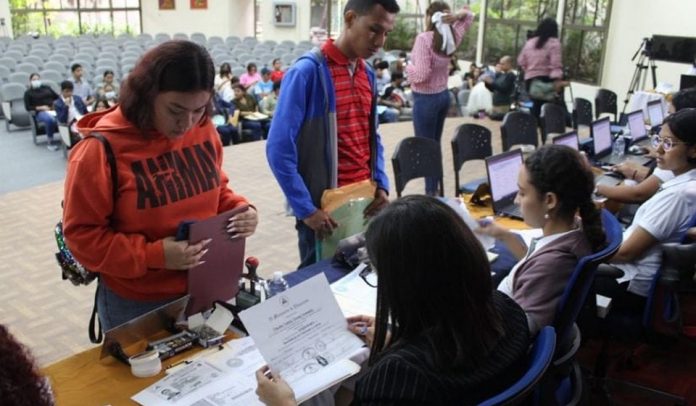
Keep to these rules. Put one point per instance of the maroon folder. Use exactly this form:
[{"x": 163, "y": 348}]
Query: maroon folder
[{"x": 218, "y": 277}]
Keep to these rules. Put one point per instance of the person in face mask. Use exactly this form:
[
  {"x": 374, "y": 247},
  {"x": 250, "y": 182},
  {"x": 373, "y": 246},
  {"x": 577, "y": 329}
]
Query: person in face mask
[
  {"x": 110, "y": 94},
  {"x": 39, "y": 99}
]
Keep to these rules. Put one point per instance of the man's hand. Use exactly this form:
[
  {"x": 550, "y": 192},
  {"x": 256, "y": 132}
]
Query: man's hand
[
  {"x": 381, "y": 201},
  {"x": 322, "y": 224}
]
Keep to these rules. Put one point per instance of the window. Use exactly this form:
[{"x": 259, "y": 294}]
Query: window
[
  {"x": 508, "y": 23},
  {"x": 585, "y": 28},
  {"x": 75, "y": 17}
]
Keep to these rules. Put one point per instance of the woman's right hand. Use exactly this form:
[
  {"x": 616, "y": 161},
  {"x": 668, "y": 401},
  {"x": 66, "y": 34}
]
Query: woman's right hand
[
  {"x": 490, "y": 228},
  {"x": 363, "y": 327},
  {"x": 180, "y": 255}
]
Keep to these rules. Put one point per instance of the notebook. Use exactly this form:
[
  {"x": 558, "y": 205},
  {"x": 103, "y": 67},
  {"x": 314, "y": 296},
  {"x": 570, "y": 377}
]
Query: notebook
[
  {"x": 569, "y": 139},
  {"x": 217, "y": 278},
  {"x": 503, "y": 170}
]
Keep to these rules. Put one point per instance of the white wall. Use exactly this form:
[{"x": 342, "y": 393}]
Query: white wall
[
  {"x": 5, "y": 31},
  {"x": 630, "y": 22},
  {"x": 221, "y": 18},
  {"x": 300, "y": 32}
]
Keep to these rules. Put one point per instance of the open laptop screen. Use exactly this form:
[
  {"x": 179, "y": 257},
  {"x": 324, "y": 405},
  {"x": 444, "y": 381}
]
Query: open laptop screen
[
  {"x": 601, "y": 136},
  {"x": 502, "y": 174},
  {"x": 655, "y": 113},
  {"x": 569, "y": 139},
  {"x": 636, "y": 124}
]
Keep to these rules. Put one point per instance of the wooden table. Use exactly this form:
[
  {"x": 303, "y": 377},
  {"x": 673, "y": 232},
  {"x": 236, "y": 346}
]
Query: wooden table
[
  {"x": 84, "y": 379},
  {"x": 479, "y": 212}
]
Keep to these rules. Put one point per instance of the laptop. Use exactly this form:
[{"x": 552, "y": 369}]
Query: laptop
[
  {"x": 502, "y": 172},
  {"x": 655, "y": 114},
  {"x": 636, "y": 125},
  {"x": 602, "y": 140},
  {"x": 569, "y": 139}
]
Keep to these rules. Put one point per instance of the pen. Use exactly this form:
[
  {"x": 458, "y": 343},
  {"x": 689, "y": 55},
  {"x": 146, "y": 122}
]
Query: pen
[{"x": 187, "y": 361}]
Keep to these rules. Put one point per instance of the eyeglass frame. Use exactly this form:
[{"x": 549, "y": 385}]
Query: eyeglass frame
[
  {"x": 365, "y": 272},
  {"x": 656, "y": 141}
]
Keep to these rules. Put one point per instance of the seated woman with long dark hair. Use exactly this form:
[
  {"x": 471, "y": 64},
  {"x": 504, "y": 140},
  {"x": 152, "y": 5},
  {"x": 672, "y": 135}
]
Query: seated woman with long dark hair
[
  {"x": 442, "y": 335},
  {"x": 555, "y": 184}
]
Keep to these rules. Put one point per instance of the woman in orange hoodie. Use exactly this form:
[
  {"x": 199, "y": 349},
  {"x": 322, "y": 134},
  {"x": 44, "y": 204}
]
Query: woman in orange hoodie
[{"x": 168, "y": 160}]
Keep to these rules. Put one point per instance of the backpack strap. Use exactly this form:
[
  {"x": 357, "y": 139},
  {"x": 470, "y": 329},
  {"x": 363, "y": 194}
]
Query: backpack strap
[{"x": 95, "y": 332}]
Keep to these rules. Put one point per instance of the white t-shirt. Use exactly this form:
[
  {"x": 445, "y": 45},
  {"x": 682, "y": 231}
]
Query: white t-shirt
[
  {"x": 665, "y": 216},
  {"x": 663, "y": 175}
]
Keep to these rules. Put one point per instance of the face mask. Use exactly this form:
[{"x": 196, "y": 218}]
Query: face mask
[
  {"x": 110, "y": 95},
  {"x": 36, "y": 84}
]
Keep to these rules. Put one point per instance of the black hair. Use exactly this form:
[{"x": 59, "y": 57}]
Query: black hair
[
  {"x": 225, "y": 69},
  {"x": 548, "y": 28},
  {"x": 107, "y": 72},
  {"x": 33, "y": 74},
  {"x": 397, "y": 75},
  {"x": 437, "y": 37},
  {"x": 684, "y": 99},
  {"x": 682, "y": 125},
  {"x": 101, "y": 100},
  {"x": 362, "y": 7},
  {"x": 66, "y": 85},
  {"x": 429, "y": 262},
  {"x": 251, "y": 65},
  {"x": 75, "y": 67},
  {"x": 382, "y": 65},
  {"x": 561, "y": 170}
]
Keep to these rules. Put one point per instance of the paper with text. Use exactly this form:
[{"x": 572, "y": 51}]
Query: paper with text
[{"x": 303, "y": 334}]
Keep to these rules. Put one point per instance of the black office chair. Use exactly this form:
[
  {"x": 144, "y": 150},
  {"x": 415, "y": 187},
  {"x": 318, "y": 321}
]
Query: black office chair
[
  {"x": 605, "y": 102},
  {"x": 552, "y": 120},
  {"x": 519, "y": 128},
  {"x": 470, "y": 142},
  {"x": 660, "y": 323},
  {"x": 565, "y": 383},
  {"x": 582, "y": 112},
  {"x": 417, "y": 157},
  {"x": 540, "y": 358}
]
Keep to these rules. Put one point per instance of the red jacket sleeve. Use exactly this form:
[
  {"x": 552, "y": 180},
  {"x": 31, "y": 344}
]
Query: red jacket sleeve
[{"x": 87, "y": 209}]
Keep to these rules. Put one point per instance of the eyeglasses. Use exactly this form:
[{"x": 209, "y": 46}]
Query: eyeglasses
[
  {"x": 667, "y": 143},
  {"x": 369, "y": 276}
]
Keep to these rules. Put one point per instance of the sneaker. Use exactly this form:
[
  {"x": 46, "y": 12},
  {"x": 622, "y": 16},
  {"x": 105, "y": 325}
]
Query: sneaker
[{"x": 52, "y": 147}]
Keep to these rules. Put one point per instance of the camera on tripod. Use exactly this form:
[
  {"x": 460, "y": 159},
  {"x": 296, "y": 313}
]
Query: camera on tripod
[{"x": 645, "y": 48}]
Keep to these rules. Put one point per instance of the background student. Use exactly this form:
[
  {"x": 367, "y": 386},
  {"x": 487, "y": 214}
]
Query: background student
[
  {"x": 550, "y": 202},
  {"x": 428, "y": 73}
]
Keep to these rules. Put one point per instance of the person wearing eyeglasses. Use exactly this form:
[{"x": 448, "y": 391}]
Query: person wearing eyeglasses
[
  {"x": 649, "y": 180},
  {"x": 661, "y": 219},
  {"x": 441, "y": 335}
]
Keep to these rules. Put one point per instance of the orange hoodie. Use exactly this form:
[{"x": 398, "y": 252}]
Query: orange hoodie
[{"x": 161, "y": 182}]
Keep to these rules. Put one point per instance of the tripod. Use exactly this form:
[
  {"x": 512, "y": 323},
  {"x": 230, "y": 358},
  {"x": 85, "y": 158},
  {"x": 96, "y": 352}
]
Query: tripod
[{"x": 640, "y": 75}]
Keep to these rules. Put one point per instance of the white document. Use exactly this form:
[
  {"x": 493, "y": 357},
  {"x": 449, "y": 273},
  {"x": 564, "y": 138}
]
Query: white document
[
  {"x": 354, "y": 296},
  {"x": 303, "y": 336},
  {"x": 220, "y": 378}
]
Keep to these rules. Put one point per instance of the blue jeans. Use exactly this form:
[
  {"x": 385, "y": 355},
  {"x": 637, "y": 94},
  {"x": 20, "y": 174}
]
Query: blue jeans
[
  {"x": 115, "y": 310},
  {"x": 49, "y": 123},
  {"x": 429, "y": 113},
  {"x": 306, "y": 242}
]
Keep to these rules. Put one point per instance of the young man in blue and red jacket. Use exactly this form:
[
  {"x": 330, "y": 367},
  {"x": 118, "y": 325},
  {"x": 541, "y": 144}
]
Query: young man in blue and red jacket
[{"x": 324, "y": 132}]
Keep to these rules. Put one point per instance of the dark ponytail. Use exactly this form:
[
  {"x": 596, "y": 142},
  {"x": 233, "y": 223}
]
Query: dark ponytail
[
  {"x": 560, "y": 170},
  {"x": 592, "y": 224}
]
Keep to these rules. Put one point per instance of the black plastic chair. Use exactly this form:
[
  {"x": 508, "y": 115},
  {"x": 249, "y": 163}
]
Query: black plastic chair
[
  {"x": 470, "y": 142},
  {"x": 582, "y": 112},
  {"x": 605, "y": 102},
  {"x": 416, "y": 157},
  {"x": 552, "y": 120},
  {"x": 519, "y": 128}
]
